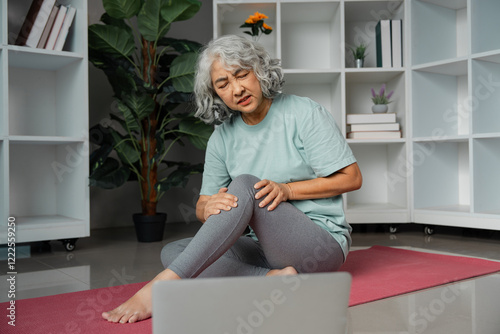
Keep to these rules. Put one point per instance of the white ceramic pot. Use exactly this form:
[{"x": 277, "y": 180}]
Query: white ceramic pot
[{"x": 379, "y": 108}]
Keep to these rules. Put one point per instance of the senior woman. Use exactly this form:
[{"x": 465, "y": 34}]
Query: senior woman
[{"x": 275, "y": 163}]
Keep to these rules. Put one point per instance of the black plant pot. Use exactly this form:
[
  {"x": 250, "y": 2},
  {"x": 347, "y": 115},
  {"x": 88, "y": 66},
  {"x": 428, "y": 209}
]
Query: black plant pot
[{"x": 149, "y": 228}]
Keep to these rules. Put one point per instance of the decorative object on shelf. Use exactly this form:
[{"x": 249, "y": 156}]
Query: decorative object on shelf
[
  {"x": 380, "y": 100},
  {"x": 257, "y": 25},
  {"x": 150, "y": 75},
  {"x": 359, "y": 54}
]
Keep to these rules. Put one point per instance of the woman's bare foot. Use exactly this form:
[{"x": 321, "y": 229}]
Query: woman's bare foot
[
  {"x": 139, "y": 306},
  {"x": 282, "y": 272}
]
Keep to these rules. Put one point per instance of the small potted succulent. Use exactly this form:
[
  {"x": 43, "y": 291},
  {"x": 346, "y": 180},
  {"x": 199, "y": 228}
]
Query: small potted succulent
[
  {"x": 359, "y": 54},
  {"x": 380, "y": 100}
]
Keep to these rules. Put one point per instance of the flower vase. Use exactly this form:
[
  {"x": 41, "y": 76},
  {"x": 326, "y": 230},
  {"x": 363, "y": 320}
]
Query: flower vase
[
  {"x": 379, "y": 108},
  {"x": 359, "y": 63}
]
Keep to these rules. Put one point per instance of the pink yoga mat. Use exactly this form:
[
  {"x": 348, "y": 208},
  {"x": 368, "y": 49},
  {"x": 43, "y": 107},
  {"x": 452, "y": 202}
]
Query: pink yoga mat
[{"x": 378, "y": 272}]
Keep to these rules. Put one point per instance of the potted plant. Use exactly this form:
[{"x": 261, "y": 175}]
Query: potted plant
[
  {"x": 380, "y": 100},
  {"x": 151, "y": 75},
  {"x": 359, "y": 54}
]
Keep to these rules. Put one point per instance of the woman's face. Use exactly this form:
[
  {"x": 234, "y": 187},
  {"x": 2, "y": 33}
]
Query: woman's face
[{"x": 238, "y": 88}]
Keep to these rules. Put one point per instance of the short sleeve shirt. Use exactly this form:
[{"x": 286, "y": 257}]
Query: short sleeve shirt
[{"x": 297, "y": 140}]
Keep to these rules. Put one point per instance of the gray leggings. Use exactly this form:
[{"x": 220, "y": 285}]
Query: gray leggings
[{"x": 287, "y": 237}]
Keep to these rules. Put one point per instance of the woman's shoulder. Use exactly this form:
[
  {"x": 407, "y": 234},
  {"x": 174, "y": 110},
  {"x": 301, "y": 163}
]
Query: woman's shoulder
[{"x": 300, "y": 106}]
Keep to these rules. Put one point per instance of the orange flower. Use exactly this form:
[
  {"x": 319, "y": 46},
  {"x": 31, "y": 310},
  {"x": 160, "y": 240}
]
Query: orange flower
[
  {"x": 267, "y": 27},
  {"x": 256, "y": 17}
]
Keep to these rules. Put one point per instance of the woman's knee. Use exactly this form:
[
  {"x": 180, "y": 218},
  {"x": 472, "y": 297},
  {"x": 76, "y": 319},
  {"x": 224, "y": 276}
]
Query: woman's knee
[
  {"x": 172, "y": 250},
  {"x": 246, "y": 180}
]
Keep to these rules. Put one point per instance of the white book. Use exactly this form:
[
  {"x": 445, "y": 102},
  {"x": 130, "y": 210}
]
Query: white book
[
  {"x": 48, "y": 28},
  {"x": 374, "y": 135},
  {"x": 40, "y": 23},
  {"x": 68, "y": 20},
  {"x": 397, "y": 43},
  {"x": 61, "y": 14},
  {"x": 383, "y": 43},
  {"x": 371, "y": 118},
  {"x": 375, "y": 127}
]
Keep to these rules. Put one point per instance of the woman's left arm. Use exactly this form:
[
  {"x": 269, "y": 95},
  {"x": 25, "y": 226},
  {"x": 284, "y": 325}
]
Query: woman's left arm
[{"x": 344, "y": 180}]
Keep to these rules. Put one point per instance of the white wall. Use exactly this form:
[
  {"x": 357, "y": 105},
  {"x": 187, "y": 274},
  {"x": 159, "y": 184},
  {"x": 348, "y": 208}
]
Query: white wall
[{"x": 112, "y": 208}]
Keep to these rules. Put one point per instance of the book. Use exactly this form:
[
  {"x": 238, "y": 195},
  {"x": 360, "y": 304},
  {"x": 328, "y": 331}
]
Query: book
[
  {"x": 383, "y": 43},
  {"x": 68, "y": 20},
  {"x": 56, "y": 28},
  {"x": 371, "y": 118},
  {"x": 375, "y": 127},
  {"x": 48, "y": 28},
  {"x": 397, "y": 43},
  {"x": 374, "y": 135},
  {"x": 34, "y": 23}
]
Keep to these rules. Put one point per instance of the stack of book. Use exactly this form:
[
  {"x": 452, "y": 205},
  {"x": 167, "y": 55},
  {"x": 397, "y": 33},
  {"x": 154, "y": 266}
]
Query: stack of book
[
  {"x": 389, "y": 43},
  {"x": 46, "y": 25},
  {"x": 373, "y": 126}
]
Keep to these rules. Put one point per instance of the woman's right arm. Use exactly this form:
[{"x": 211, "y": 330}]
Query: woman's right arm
[{"x": 212, "y": 205}]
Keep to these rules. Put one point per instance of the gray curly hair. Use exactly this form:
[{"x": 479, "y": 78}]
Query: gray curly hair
[{"x": 233, "y": 51}]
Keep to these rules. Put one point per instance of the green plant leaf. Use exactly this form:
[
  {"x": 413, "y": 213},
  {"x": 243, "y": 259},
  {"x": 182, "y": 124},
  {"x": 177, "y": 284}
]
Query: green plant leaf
[
  {"x": 110, "y": 39},
  {"x": 122, "y": 9},
  {"x": 131, "y": 122},
  {"x": 179, "y": 177},
  {"x": 120, "y": 23},
  {"x": 182, "y": 72},
  {"x": 151, "y": 24},
  {"x": 179, "y": 10},
  {"x": 180, "y": 45},
  {"x": 141, "y": 105},
  {"x": 196, "y": 131},
  {"x": 109, "y": 175},
  {"x": 126, "y": 151}
]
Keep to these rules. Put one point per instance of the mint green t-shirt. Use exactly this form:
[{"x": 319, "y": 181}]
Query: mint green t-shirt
[{"x": 297, "y": 140}]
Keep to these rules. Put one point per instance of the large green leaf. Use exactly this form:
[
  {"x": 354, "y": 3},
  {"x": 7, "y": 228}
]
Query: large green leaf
[
  {"x": 180, "y": 45},
  {"x": 131, "y": 122},
  {"x": 179, "y": 177},
  {"x": 122, "y": 9},
  {"x": 150, "y": 22},
  {"x": 179, "y": 10},
  {"x": 182, "y": 72},
  {"x": 120, "y": 23},
  {"x": 125, "y": 149},
  {"x": 109, "y": 175},
  {"x": 141, "y": 105},
  {"x": 197, "y": 132},
  {"x": 112, "y": 40}
]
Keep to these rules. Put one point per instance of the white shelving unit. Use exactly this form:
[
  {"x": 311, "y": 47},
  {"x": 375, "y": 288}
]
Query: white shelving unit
[
  {"x": 44, "y": 131},
  {"x": 444, "y": 170}
]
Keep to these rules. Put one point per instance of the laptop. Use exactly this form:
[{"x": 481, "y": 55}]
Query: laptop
[{"x": 302, "y": 304}]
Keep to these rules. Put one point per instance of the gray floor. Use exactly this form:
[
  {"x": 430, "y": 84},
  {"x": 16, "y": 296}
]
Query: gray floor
[{"x": 113, "y": 257}]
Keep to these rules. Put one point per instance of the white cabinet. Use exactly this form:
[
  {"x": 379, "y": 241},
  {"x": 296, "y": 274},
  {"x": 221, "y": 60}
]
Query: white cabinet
[
  {"x": 444, "y": 170},
  {"x": 44, "y": 131}
]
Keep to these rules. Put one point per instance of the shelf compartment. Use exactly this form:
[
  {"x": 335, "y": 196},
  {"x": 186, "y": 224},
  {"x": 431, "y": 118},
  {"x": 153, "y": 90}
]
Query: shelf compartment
[
  {"x": 49, "y": 180},
  {"x": 484, "y": 17},
  {"x": 361, "y": 17},
  {"x": 485, "y": 97},
  {"x": 39, "y": 59},
  {"x": 324, "y": 88},
  {"x": 442, "y": 176},
  {"x": 310, "y": 35},
  {"x": 75, "y": 42},
  {"x": 439, "y": 30},
  {"x": 232, "y": 15},
  {"x": 48, "y": 103},
  {"x": 384, "y": 167},
  {"x": 358, "y": 92},
  {"x": 440, "y": 102},
  {"x": 486, "y": 175},
  {"x": 3, "y": 23}
]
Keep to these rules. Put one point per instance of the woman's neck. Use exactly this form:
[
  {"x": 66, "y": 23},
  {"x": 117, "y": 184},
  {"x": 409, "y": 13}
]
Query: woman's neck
[{"x": 257, "y": 115}]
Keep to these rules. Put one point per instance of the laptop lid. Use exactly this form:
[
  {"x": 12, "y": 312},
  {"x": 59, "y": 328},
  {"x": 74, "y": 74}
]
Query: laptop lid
[{"x": 312, "y": 303}]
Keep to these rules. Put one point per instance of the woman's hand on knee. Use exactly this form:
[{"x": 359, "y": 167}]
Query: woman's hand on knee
[
  {"x": 274, "y": 193},
  {"x": 222, "y": 201}
]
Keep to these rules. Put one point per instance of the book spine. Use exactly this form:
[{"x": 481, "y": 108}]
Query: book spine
[
  {"x": 48, "y": 28},
  {"x": 29, "y": 21},
  {"x": 40, "y": 22},
  {"x": 56, "y": 28},
  {"x": 397, "y": 43},
  {"x": 68, "y": 20}
]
